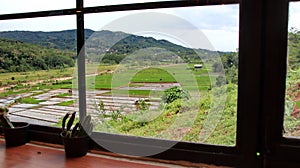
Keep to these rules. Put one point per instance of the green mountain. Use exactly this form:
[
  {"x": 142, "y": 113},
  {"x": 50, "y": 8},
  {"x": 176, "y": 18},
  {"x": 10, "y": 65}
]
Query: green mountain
[
  {"x": 113, "y": 47},
  {"x": 63, "y": 40},
  {"x": 17, "y": 56},
  {"x": 105, "y": 46},
  {"x": 66, "y": 39}
]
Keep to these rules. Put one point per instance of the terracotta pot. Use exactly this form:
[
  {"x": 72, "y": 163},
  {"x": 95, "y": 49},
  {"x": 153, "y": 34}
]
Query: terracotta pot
[
  {"x": 16, "y": 136},
  {"x": 75, "y": 147}
]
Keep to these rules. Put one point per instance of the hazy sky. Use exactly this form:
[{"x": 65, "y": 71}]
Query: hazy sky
[{"x": 219, "y": 24}]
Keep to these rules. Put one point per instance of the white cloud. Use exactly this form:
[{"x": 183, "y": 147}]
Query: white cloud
[
  {"x": 219, "y": 22},
  {"x": 54, "y": 23},
  {"x": 223, "y": 40},
  {"x": 210, "y": 17},
  {"x": 294, "y": 15},
  {"x": 20, "y": 6}
]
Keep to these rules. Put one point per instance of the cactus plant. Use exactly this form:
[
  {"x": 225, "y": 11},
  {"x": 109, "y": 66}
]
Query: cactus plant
[
  {"x": 80, "y": 129},
  {"x": 15, "y": 133},
  {"x": 4, "y": 120}
]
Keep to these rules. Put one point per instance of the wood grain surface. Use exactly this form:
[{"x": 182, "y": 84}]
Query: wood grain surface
[{"x": 33, "y": 156}]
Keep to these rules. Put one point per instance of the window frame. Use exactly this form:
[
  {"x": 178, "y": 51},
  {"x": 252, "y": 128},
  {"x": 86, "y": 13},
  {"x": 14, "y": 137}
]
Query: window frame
[
  {"x": 279, "y": 150},
  {"x": 255, "y": 147}
]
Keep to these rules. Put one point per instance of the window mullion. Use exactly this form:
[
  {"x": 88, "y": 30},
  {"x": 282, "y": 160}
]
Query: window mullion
[{"x": 81, "y": 60}]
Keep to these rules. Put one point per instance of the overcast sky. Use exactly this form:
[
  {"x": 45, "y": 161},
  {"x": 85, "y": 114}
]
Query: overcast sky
[{"x": 219, "y": 24}]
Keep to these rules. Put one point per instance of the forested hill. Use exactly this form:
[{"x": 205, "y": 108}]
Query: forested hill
[
  {"x": 64, "y": 40},
  {"x": 17, "y": 56},
  {"x": 115, "y": 46},
  {"x": 32, "y": 50}
]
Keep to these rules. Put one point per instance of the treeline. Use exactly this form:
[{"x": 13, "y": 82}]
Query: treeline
[
  {"x": 126, "y": 45},
  {"x": 229, "y": 61},
  {"x": 229, "y": 66},
  {"x": 17, "y": 56},
  {"x": 63, "y": 40},
  {"x": 294, "y": 49}
]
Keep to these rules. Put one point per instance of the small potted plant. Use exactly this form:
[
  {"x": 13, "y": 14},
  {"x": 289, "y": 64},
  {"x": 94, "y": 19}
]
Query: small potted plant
[
  {"x": 15, "y": 133},
  {"x": 76, "y": 138}
]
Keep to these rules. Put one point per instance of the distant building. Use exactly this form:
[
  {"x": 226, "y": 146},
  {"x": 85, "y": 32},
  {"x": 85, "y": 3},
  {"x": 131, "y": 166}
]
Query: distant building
[{"x": 198, "y": 66}]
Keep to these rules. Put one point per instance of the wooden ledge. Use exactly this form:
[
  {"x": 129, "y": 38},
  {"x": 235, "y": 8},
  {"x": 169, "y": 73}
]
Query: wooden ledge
[{"x": 34, "y": 155}]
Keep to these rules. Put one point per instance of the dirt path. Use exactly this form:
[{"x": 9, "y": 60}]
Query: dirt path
[
  {"x": 297, "y": 97},
  {"x": 2, "y": 89}
]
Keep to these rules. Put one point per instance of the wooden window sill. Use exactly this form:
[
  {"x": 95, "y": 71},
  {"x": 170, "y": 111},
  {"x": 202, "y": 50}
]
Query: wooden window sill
[{"x": 36, "y": 155}]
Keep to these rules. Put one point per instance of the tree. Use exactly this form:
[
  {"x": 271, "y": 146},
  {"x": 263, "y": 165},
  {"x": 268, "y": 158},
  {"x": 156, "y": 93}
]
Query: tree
[
  {"x": 220, "y": 81},
  {"x": 217, "y": 67}
]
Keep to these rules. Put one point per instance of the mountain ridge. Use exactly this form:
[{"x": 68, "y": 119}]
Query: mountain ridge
[
  {"x": 44, "y": 37},
  {"x": 113, "y": 46}
]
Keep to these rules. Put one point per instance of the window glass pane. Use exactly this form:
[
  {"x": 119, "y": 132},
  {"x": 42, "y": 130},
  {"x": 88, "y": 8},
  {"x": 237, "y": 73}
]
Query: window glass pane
[
  {"x": 37, "y": 60},
  {"x": 292, "y": 100},
  {"x": 17, "y": 6},
  {"x": 90, "y": 3},
  {"x": 168, "y": 73}
]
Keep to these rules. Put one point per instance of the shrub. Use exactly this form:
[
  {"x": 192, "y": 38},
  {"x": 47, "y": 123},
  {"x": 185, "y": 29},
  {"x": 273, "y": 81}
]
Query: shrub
[
  {"x": 174, "y": 93},
  {"x": 142, "y": 104}
]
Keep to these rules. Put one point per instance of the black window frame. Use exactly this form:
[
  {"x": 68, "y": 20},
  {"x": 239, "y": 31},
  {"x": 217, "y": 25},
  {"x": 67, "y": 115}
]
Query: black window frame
[
  {"x": 279, "y": 151},
  {"x": 262, "y": 53}
]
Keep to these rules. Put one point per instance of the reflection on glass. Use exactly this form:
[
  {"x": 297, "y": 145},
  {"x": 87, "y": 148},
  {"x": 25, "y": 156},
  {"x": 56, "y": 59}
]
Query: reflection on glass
[
  {"x": 17, "y": 6},
  {"x": 169, "y": 74},
  {"x": 37, "y": 60},
  {"x": 292, "y": 99}
]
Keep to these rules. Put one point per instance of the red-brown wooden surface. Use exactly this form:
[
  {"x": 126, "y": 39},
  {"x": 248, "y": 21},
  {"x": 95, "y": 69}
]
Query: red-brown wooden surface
[
  {"x": 40, "y": 156},
  {"x": 32, "y": 156}
]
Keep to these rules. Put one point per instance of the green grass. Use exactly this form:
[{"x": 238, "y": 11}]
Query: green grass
[
  {"x": 96, "y": 68},
  {"x": 99, "y": 81},
  {"x": 136, "y": 84},
  {"x": 133, "y": 93},
  {"x": 298, "y": 104},
  {"x": 103, "y": 81},
  {"x": 153, "y": 75},
  {"x": 191, "y": 115},
  {"x": 48, "y": 77},
  {"x": 62, "y": 95},
  {"x": 189, "y": 78},
  {"x": 113, "y": 81},
  {"x": 29, "y": 100},
  {"x": 32, "y": 76},
  {"x": 39, "y": 87},
  {"x": 224, "y": 134},
  {"x": 130, "y": 125},
  {"x": 66, "y": 103}
]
